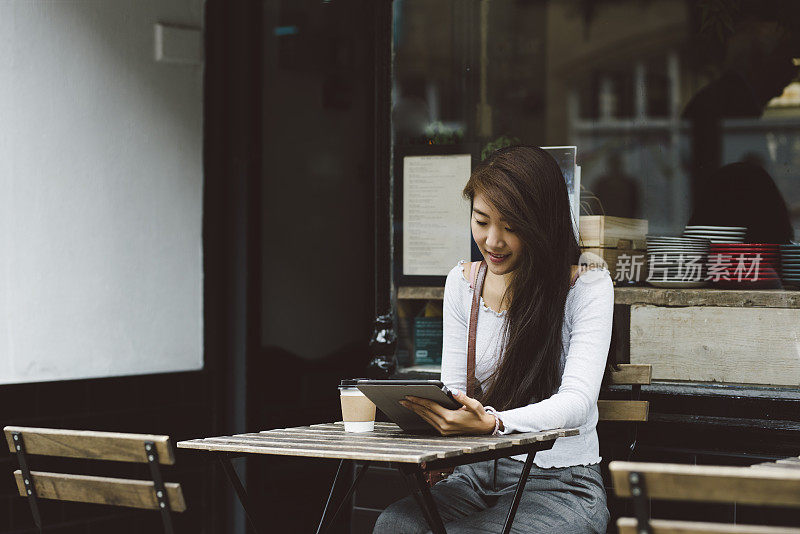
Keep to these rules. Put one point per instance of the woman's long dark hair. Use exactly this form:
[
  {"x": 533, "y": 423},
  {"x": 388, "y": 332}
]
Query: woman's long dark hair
[{"x": 525, "y": 185}]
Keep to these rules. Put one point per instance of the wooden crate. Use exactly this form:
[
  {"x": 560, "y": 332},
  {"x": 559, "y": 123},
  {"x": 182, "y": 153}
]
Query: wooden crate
[
  {"x": 718, "y": 344},
  {"x": 611, "y": 257},
  {"x": 613, "y": 232}
]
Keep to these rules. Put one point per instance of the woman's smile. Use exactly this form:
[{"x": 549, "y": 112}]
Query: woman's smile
[{"x": 498, "y": 258}]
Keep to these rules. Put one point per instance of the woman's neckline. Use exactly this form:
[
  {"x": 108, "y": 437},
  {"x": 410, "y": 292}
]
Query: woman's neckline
[
  {"x": 484, "y": 307},
  {"x": 470, "y": 289},
  {"x": 574, "y": 269}
]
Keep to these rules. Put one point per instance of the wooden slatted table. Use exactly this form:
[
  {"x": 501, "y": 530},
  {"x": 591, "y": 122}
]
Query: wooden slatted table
[{"x": 410, "y": 453}]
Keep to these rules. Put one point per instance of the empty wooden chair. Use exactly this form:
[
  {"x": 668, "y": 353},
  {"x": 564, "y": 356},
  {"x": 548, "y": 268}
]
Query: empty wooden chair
[
  {"x": 151, "y": 494},
  {"x": 632, "y": 409},
  {"x": 743, "y": 485},
  {"x": 627, "y": 410}
]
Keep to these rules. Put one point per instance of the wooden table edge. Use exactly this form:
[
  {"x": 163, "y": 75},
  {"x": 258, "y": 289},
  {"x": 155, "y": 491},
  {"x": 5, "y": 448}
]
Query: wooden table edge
[
  {"x": 544, "y": 435},
  {"x": 525, "y": 441}
]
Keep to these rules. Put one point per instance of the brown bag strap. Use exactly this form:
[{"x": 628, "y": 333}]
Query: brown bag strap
[{"x": 473, "y": 327}]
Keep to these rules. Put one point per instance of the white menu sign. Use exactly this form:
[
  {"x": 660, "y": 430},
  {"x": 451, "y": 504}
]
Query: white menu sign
[{"x": 436, "y": 230}]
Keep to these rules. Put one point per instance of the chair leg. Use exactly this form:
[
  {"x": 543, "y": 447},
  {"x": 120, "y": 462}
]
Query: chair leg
[
  {"x": 158, "y": 485},
  {"x": 27, "y": 479},
  {"x": 641, "y": 504}
]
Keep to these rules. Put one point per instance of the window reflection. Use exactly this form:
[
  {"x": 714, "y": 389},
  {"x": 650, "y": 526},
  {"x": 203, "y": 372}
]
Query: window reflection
[{"x": 680, "y": 114}]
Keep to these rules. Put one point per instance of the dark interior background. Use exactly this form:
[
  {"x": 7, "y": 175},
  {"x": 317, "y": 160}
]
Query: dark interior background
[
  {"x": 317, "y": 291},
  {"x": 288, "y": 268}
]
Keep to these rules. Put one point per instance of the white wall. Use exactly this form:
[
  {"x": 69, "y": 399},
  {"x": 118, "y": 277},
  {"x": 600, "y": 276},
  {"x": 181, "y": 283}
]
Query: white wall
[{"x": 100, "y": 192}]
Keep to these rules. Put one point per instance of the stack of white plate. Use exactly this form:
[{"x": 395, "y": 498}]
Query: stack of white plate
[
  {"x": 717, "y": 234},
  {"x": 677, "y": 262},
  {"x": 790, "y": 260}
]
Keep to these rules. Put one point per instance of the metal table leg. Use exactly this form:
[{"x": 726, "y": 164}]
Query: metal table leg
[
  {"x": 412, "y": 489},
  {"x": 322, "y": 522},
  {"x": 233, "y": 478},
  {"x": 523, "y": 478},
  {"x": 429, "y": 509},
  {"x": 428, "y": 505}
]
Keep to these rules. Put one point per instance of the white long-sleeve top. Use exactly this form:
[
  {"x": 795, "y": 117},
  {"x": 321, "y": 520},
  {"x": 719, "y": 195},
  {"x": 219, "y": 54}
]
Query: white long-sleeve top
[{"x": 586, "y": 336}]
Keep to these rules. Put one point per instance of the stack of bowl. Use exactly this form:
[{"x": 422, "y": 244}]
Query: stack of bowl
[
  {"x": 717, "y": 234},
  {"x": 744, "y": 265},
  {"x": 676, "y": 262},
  {"x": 790, "y": 264}
]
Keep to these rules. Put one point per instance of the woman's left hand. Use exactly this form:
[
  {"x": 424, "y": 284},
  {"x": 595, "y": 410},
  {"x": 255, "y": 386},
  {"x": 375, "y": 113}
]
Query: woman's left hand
[{"x": 471, "y": 418}]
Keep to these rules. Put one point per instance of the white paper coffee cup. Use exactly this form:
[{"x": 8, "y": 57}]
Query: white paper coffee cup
[
  {"x": 358, "y": 412},
  {"x": 359, "y": 426}
]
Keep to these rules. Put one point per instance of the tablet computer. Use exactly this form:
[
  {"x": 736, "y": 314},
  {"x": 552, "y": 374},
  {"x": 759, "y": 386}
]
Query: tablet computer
[{"x": 386, "y": 394}]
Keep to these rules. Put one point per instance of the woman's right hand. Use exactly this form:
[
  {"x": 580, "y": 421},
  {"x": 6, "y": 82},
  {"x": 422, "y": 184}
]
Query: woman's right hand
[{"x": 471, "y": 418}]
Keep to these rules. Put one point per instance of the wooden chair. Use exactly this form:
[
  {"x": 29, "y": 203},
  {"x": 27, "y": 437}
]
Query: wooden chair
[
  {"x": 743, "y": 485},
  {"x": 633, "y": 410},
  {"x": 140, "y": 448},
  {"x": 627, "y": 410}
]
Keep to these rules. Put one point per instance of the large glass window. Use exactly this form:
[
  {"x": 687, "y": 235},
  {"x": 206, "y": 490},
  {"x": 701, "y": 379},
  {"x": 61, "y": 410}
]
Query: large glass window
[
  {"x": 684, "y": 113},
  {"x": 657, "y": 95}
]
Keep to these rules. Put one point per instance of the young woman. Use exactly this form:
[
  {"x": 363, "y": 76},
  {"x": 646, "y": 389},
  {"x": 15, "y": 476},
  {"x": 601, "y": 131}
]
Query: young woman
[{"x": 543, "y": 336}]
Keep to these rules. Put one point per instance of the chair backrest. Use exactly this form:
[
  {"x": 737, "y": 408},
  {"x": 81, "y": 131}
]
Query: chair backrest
[
  {"x": 743, "y": 485},
  {"x": 111, "y": 446},
  {"x": 101, "y": 490},
  {"x": 91, "y": 445},
  {"x": 627, "y": 410}
]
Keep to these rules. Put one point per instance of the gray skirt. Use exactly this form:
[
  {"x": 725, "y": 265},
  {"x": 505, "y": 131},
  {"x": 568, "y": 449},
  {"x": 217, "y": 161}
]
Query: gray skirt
[{"x": 476, "y": 499}]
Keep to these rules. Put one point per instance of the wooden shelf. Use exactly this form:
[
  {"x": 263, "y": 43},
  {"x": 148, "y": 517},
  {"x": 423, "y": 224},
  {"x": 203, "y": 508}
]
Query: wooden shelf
[
  {"x": 419, "y": 292},
  {"x": 740, "y": 298}
]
